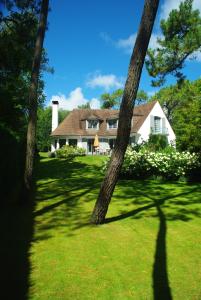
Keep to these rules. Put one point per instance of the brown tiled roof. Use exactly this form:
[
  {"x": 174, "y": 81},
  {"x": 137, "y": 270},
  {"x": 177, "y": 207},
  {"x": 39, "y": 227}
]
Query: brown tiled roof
[{"x": 75, "y": 123}]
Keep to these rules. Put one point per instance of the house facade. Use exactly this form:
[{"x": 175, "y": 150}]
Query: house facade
[{"x": 81, "y": 126}]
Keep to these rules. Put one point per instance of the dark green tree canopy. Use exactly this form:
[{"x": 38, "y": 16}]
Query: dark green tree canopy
[
  {"x": 113, "y": 100},
  {"x": 181, "y": 39},
  {"x": 44, "y": 126},
  {"x": 182, "y": 105},
  {"x": 18, "y": 27}
]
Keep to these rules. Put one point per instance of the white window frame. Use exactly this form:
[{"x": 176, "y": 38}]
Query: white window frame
[
  {"x": 159, "y": 119},
  {"x": 87, "y": 124},
  {"x": 108, "y": 126}
]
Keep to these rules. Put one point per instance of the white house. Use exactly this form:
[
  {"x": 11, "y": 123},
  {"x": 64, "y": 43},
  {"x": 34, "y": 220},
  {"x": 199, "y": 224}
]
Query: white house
[{"x": 82, "y": 125}]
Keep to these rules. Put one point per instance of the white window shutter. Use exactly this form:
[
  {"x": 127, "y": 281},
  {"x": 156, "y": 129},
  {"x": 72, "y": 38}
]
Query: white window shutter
[
  {"x": 163, "y": 126},
  {"x": 152, "y": 124}
]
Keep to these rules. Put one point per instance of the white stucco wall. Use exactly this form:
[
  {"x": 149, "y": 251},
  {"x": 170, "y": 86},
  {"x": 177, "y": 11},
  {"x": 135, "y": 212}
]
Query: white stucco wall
[{"x": 145, "y": 129}]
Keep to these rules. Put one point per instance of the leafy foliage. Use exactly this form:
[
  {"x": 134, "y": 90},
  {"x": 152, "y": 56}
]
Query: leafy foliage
[
  {"x": 142, "y": 97},
  {"x": 70, "y": 152},
  {"x": 182, "y": 105},
  {"x": 113, "y": 100},
  {"x": 84, "y": 106},
  {"x": 169, "y": 164},
  {"x": 157, "y": 142},
  {"x": 181, "y": 39},
  {"x": 44, "y": 126},
  {"x": 63, "y": 113},
  {"x": 18, "y": 27}
]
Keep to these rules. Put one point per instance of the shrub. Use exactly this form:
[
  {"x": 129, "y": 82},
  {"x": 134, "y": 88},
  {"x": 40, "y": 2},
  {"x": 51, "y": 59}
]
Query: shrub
[
  {"x": 168, "y": 164},
  {"x": 69, "y": 152},
  {"x": 80, "y": 151},
  {"x": 157, "y": 142}
]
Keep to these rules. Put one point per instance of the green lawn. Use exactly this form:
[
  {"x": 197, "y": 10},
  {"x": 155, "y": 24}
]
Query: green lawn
[{"x": 149, "y": 247}]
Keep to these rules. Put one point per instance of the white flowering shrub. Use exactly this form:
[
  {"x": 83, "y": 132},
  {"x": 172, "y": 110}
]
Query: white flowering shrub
[{"x": 169, "y": 164}]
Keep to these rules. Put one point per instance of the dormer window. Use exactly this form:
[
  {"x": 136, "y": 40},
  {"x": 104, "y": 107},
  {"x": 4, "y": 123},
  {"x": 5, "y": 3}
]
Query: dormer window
[
  {"x": 112, "y": 124},
  {"x": 92, "y": 124}
]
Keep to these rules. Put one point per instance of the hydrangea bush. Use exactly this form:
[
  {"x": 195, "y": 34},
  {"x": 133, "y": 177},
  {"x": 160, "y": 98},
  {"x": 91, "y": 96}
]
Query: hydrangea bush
[
  {"x": 169, "y": 164},
  {"x": 70, "y": 152}
]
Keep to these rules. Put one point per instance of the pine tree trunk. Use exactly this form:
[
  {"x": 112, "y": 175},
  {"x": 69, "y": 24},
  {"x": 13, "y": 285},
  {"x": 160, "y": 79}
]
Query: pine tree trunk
[
  {"x": 31, "y": 130},
  {"x": 126, "y": 111}
]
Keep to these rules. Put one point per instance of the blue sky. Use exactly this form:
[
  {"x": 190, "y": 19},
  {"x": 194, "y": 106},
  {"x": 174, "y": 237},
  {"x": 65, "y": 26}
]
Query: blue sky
[{"x": 89, "y": 44}]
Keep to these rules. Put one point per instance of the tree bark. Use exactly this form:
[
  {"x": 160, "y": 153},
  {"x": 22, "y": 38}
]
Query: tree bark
[
  {"x": 126, "y": 111},
  {"x": 33, "y": 103}
]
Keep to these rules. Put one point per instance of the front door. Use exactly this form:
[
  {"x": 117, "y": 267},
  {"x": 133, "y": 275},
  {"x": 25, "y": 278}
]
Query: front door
[{"x": 90, "y": 146}]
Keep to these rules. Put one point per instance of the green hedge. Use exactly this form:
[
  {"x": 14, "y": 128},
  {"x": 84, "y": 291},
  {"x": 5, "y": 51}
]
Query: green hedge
[{"x": 70, "y": 152}]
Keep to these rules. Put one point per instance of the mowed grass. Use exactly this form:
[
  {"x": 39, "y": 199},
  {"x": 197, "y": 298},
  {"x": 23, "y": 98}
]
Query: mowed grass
[{"x": 149, "y": 247}]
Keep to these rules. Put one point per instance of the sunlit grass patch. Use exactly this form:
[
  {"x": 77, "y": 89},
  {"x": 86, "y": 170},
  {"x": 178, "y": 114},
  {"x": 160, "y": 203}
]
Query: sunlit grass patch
[{"x": 150, "y": 243}]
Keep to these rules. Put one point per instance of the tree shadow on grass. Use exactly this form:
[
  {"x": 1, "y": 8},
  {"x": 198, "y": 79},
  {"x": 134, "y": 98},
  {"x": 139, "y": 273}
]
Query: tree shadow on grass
[
  {"x": 59, "y": 184},
  {"x": 62, "y": 186},
  {"x": 16, "y": 230},
  {"x": 161, "y": 287},
  {"x": 180, "y": 211},
  {"x": 68, "y": 184}
]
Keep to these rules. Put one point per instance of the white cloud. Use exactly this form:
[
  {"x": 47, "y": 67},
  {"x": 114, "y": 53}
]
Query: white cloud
[
  {"x": 105, "y": 81},
  {"x": 169, "y": 5},
  {"x": 74, "y": 99},
  {"x": 198, "y": 56},
  {"x": 195, "y": 56},
  {"x": 94, "y": 103},
  {"x": 128, "y": 43},
  {"x": 106, "y": 37}
]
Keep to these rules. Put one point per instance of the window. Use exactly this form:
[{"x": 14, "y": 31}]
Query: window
[
  {"x": 102, "y": 140},
  {"x": 62, "y": 142},
  {"x": 112, "y": 124},
  {"x": 92, "y": 124},
  {"x": 157, "y": 124},
  {"x": 132, "y": 140},
  {"x": 72, "y": 142},
  {"x": 112, "y": 143}
]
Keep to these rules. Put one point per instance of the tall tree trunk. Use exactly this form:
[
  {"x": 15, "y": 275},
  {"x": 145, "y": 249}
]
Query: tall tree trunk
[
  {"x": 33, "y": 101},
  {"x": 126, "y": 111}
]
